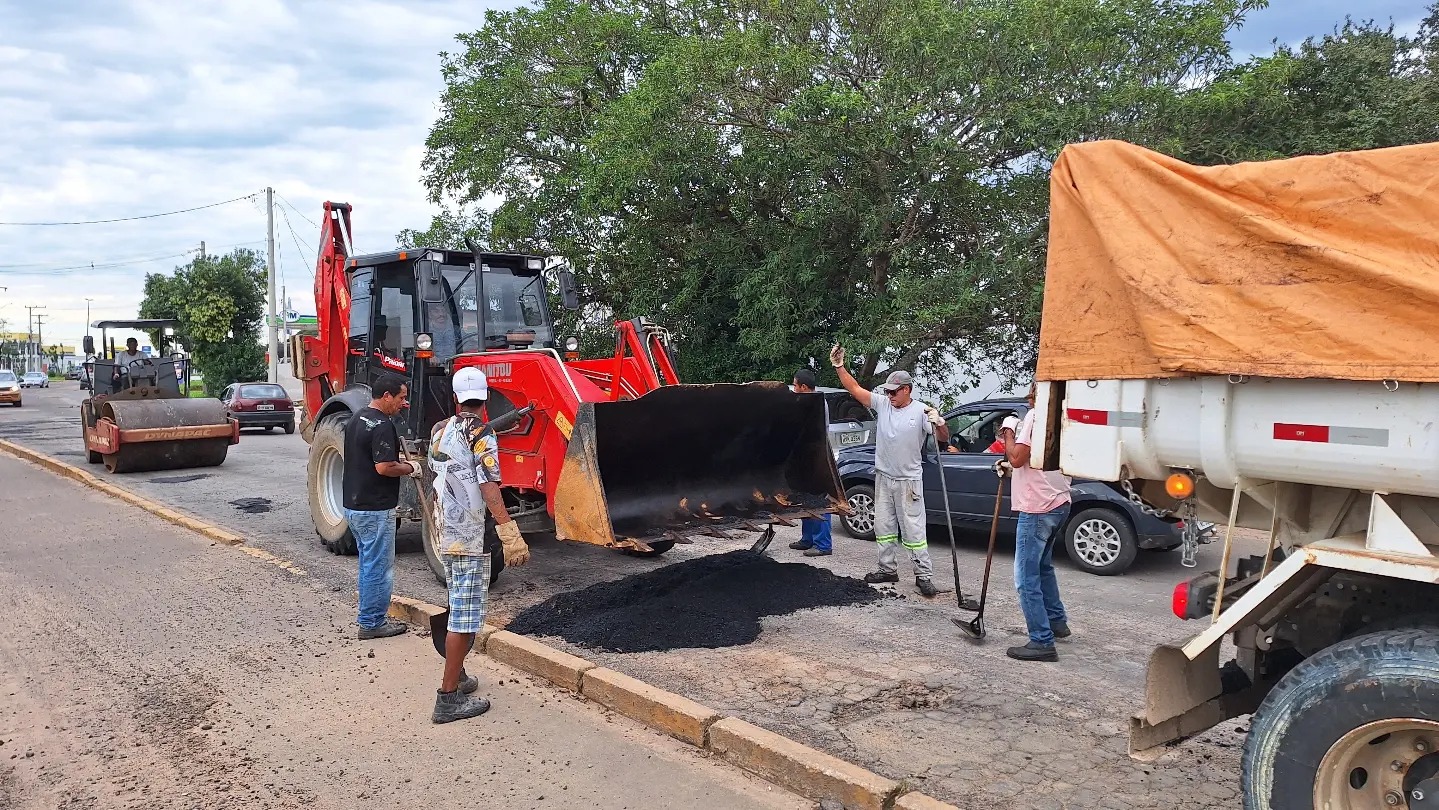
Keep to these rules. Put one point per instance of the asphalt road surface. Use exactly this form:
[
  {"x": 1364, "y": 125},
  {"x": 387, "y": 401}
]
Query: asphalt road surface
[
  {"x": 890, "y": 686},
  {"x": 143, "y": 667}
]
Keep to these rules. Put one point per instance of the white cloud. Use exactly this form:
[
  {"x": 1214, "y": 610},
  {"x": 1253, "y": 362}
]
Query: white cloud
[{"x": 111, "y": 109}]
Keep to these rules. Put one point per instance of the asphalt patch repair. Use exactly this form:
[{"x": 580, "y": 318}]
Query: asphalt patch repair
[{"x": 708, "y": 602}]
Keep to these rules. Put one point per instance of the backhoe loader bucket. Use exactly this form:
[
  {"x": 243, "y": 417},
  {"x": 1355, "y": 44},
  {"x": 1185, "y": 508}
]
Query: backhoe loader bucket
[
  {"x": 684, "y": 460},
  {"x": 163, "y": 434}
]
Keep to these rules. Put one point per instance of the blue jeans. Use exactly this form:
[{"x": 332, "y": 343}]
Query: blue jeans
[
  {"x": 1034, "y": 572},
  {"x": 815, "y": 531},
  {"x": 375, "y": 538}
]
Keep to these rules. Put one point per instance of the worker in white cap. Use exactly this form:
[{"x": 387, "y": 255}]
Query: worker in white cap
[
  {"x": 464, "y": 455},
  {"x": 902, "y": 425}
]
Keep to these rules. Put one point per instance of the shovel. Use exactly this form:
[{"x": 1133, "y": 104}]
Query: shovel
[
  {"x": 964, "y": 604},
  {"x": 974, "y": 628},
  {"x": 440, "y": 622}
]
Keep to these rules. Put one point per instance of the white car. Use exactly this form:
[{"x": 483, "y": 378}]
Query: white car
[{"x": 34, "y": 379}]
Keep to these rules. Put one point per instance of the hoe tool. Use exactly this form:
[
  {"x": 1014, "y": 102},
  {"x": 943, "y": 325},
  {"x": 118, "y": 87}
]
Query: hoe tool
[
  {"x": 974, "y": 628},
  {"x": 964, "y": 604}
]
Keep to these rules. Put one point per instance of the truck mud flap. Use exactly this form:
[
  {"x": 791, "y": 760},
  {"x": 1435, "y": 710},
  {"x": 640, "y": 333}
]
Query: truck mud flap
[{"x": 690, "y": 460}]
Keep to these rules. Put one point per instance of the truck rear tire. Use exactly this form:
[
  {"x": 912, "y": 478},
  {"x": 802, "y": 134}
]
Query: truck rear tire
[
  {"x": 326, "y": 476},
  {"x": 1101, "y": 541},
  {"x": 1329, "y": 734}
]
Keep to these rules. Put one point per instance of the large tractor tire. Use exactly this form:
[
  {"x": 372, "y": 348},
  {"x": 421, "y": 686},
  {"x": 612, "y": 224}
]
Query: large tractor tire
[
  {"x": 1353, "y": 726},
  {"x": 326, "y": 480},
  {"x": 492, "y": 546}
]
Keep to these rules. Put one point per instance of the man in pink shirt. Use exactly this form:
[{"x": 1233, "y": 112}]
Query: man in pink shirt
[{"x": 1042, "y": 500}]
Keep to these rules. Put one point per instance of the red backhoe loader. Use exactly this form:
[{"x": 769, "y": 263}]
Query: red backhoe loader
[{"x": 612, "y": 451}]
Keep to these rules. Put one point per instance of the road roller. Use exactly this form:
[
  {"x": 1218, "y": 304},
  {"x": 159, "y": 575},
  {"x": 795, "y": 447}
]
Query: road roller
[{"x": 139, "y": 417}]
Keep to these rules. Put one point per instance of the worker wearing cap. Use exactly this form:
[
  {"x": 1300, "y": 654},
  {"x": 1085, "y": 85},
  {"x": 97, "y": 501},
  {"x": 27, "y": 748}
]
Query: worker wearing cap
[
  {"x": 464, "y": 455},
  {"x": 902, "y": 426},
  {"x": 124, "y": 359}
]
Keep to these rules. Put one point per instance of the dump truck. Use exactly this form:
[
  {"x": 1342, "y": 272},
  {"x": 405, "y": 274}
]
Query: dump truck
[
  {"x": 613, "y": 451},
  {"x": 139, "y": 416},
  {"x": 1257, "y": 345}
]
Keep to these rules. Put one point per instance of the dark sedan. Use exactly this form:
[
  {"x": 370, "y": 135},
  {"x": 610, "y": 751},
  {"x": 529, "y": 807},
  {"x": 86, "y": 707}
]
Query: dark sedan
[
  {"x": 1105, "y": 530},
  {"x": 260, "y": 405}
]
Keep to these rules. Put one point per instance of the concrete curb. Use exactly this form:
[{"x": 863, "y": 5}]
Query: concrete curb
[
  {"x": 776, "y": 759},
  {"x": 155, "y": 508},
  {"x": 802, "y": 769}
]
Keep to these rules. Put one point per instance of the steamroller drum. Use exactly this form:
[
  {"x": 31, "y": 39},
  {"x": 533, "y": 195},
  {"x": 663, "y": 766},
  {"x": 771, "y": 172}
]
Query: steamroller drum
[
  {"x": 689, "y": 458},
  {"x": 165, "y": 453}
]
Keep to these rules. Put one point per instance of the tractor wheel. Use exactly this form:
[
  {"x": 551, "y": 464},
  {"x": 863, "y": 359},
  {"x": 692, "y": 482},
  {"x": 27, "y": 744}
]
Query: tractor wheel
[
  {"x": 326, "y": 485},
  {"x": 492, "y": 547}
]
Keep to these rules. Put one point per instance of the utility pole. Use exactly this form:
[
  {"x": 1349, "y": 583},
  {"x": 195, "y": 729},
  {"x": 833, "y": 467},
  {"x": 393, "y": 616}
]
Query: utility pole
[
  {"x": 87, "y": 316},
  {"x": 274, "y": 340},
  {"x": 39, "y": 343},
  {"x": 202, "y": 248},
  {"x": 30, "y": 336}
]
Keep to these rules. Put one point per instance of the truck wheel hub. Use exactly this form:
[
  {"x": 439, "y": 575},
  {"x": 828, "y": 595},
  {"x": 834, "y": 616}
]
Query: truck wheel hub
[{"x": 1387, "y": 763}]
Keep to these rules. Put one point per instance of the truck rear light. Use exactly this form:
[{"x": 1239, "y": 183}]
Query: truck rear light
[
  {"x": 1179, "y": 602},
  {"x": 1179, "y": 486}
]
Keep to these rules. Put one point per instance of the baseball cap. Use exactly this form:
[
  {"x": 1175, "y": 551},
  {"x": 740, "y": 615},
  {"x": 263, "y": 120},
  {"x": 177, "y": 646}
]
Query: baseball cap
[
  {"x": 469, "y": 383},
  {"x": 895, "y": 380}
]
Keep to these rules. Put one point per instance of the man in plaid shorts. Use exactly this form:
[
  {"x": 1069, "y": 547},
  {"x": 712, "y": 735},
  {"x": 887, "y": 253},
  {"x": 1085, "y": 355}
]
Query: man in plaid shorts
[{"x": 464, "y": 456}]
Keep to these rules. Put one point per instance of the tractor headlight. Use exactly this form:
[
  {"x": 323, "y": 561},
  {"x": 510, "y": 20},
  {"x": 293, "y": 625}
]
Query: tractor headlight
[
  {"x": 424, "y": 342},
  {"x": 572, "y": 344}
]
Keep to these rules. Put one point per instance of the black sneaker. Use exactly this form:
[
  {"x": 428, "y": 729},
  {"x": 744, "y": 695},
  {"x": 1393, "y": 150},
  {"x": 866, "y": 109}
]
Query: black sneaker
[
  {"x": 468, "y": 683},
  {"x": 1033, "y": 652},
  {"x": 876, "y": 577},
  {"x": 1060, "y": 629},
  {"x": 389, "y": 628},
  {"x": 453, "y": 706},
  {"x": 926, "y": 588},
  {"x": 800, "y": 545},
  {"x": 814, "y": 552}
]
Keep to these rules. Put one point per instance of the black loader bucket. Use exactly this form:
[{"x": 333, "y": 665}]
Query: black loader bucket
[{"x": 685, "y": 460}]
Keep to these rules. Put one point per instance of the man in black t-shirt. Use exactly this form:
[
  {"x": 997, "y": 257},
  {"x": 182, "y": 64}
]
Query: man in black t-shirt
[{"x": 372, "y": 491}]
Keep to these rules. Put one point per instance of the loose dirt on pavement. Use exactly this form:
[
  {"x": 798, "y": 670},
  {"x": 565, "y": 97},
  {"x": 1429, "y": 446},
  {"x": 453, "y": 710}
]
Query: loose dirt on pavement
[
  {"x": 143, "y": 668},
  {"x": 708, "y": 602}
]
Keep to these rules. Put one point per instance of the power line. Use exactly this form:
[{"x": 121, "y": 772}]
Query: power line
[
  {"x": 16, "y": 269},
  {"x": 142, "y": 216},
  {"x": 296, "y": 237},
  {"x": 296, "y": 210}
]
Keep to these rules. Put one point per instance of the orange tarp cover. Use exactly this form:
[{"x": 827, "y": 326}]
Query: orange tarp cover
[{"x": 1324, "y": 266}]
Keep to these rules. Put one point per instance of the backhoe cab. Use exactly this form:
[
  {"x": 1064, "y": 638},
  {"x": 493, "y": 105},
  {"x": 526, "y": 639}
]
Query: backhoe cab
[{"x": 612, "y": 451}]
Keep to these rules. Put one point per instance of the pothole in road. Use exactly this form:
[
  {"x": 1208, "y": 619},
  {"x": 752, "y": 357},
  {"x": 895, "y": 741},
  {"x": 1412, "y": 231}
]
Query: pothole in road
[
  {"x": 252, "y": 506},
  {"x": 707, "y": 602},
  {"x": 181, "y": 479}
]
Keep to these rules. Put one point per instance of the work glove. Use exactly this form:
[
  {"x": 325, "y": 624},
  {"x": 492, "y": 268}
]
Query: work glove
[
  {"x": 517, "y": 552},
  {"x": 1002, "y": 468},
  {"x": 836, "y": 356},
  {"x": 1011, "y": 424},
  {"x": 933, "y": 416}
]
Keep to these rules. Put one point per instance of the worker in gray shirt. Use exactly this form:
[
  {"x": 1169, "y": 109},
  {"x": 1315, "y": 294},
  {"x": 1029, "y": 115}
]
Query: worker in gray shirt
[{"x": 903, "y": 425}]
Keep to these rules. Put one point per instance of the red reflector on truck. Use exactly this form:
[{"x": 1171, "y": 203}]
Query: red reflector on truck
[
  {"x": 1301, "y": 433},
  {"x": 1179, "y": 602},
  {"x": 1088, "y": 417}
]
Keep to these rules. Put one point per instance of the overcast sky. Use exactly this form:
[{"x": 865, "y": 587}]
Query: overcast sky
[{"x": 119, "y": 108}]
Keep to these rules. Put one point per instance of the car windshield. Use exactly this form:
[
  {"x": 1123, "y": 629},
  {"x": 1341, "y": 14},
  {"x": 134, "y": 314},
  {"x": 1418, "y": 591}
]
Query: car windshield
[
  {"x": 7, "y": 376},
  {"x": 513, "y": 301},
  {"x": 263, "y": 392}
]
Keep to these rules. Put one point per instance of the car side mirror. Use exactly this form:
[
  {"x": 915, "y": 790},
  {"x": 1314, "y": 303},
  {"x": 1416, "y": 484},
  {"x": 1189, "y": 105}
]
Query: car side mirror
[
  {"x": 569, "y": 290},
  {"x": 88, "y": 344}
]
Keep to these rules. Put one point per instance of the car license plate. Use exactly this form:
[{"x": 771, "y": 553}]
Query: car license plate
[
  {"x": 264, "y": 407},
  {"x": 847, "y": 439}
]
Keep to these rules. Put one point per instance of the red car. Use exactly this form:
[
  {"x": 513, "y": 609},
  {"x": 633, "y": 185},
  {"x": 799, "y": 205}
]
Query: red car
[{"x": 260, "y": 405}]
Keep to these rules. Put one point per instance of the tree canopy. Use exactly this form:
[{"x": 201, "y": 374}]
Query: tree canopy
[
  {"x": 219, "y": 302},
  {"x": 768, "y": 176}
]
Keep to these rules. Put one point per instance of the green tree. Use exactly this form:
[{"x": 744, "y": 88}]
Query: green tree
[
  {"x": 219, "y": 302},
  {"x": 766, "y": 176},
  {"x": 1362, "y": 87}
]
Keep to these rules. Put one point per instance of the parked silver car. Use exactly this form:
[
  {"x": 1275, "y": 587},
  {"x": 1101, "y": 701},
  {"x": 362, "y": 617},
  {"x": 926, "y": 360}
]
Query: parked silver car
[
  {"x": 35, "y": 379},
  {"x": 850, "y": 423}
]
